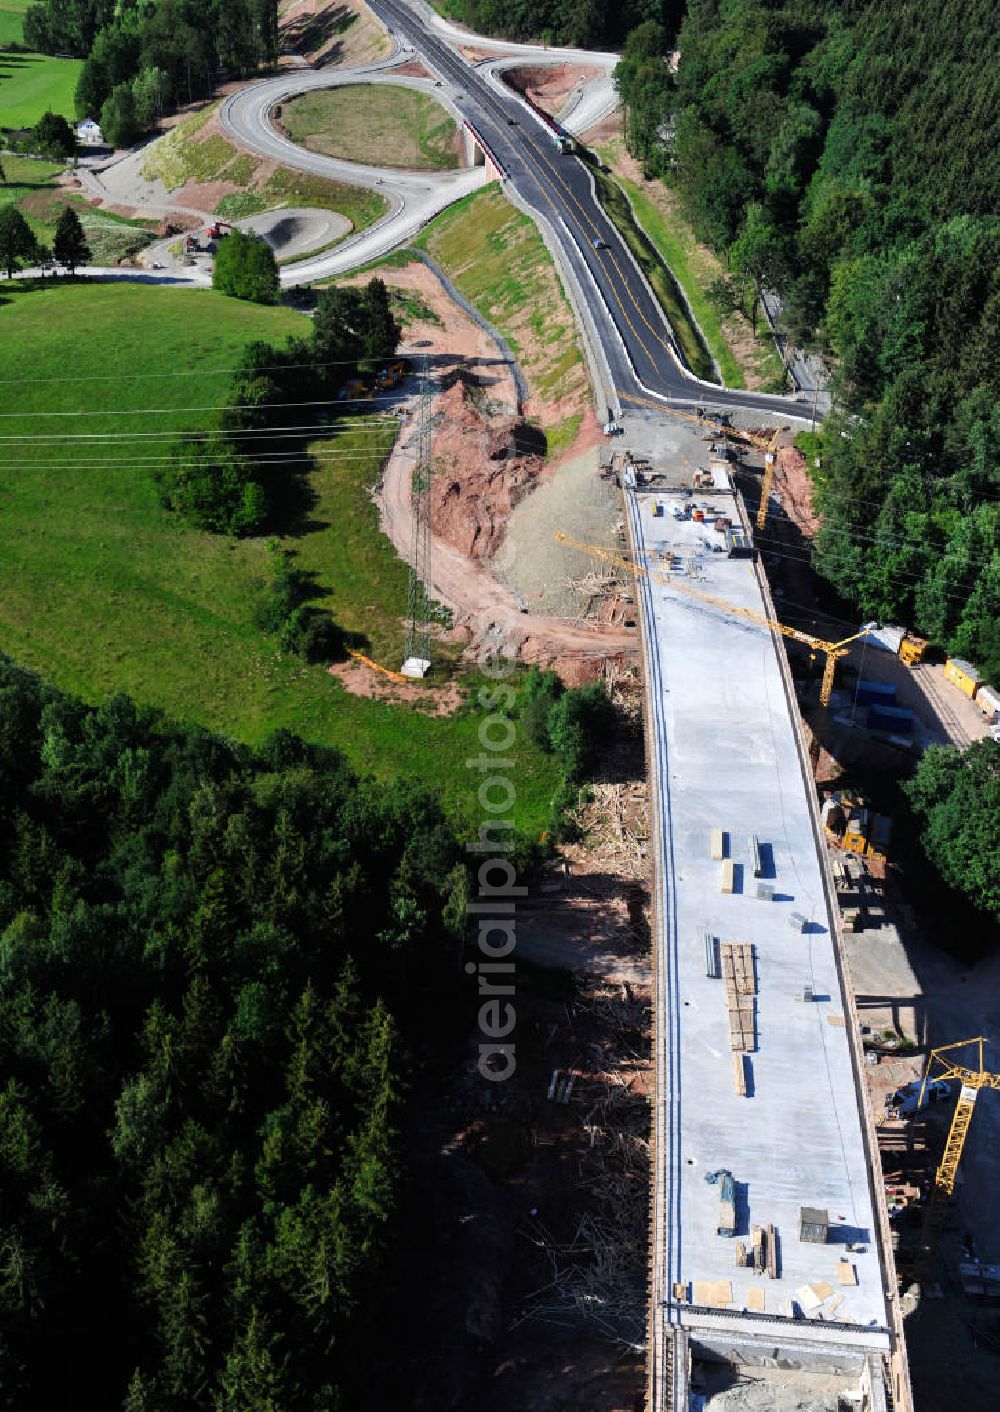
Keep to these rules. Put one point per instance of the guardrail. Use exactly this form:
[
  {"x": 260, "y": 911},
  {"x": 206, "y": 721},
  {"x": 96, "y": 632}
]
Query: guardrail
[
  {"x": 468, "y": 308},
  {"x": 487, "y": 149}
]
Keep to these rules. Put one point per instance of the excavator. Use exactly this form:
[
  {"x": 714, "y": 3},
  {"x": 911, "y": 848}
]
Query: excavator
[{"x": 851, "y": 824}]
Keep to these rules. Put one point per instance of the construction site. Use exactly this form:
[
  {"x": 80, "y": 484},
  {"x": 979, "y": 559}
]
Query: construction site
[
  {"x": 769, "y": 1235},
  {"x": 784, "y": 1182}
]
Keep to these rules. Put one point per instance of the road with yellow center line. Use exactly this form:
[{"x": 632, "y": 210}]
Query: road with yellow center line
[{"x": 636, "y": 341}]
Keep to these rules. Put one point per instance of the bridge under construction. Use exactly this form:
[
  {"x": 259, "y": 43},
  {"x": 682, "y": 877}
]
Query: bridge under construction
[{"x": 770, "y": 1239}]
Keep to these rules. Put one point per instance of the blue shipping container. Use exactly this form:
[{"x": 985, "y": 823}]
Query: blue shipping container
[
  {"x": 896, "y": 719},
  {"x": 870, "y": 693}
]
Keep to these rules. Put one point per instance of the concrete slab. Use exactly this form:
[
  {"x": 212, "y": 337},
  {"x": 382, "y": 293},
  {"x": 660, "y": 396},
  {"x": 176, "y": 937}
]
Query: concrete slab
[{"x": 724, "y": 754}]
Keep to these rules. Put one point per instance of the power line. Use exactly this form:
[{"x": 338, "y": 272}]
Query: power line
[
  {"x": 175, "y": 411},
  {"x": 262, "y": 458},
  {"x": 939, "y": 551},
  {"x": 914, "y": 579},
  {"x": 318, "y": 433},
  {"x": 204, "y": 372}
]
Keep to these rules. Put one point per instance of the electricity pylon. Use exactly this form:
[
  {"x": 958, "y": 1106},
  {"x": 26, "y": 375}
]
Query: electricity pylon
[{"x": 417, "y": 655}]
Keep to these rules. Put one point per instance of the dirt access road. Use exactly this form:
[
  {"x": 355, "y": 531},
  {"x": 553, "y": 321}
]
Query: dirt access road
[
  {"x": 483, "y": 609},
  {"x": 485, "y": 612}
]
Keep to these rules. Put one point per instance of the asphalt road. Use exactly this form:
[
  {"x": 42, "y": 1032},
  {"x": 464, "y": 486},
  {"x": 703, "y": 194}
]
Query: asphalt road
[
  {"x": 636, "y": 340},
  {"x": 413, "y": 197}
]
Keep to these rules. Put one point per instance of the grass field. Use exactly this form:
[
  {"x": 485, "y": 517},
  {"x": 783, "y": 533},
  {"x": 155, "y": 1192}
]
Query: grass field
[
  {"x": 382, "y": 124},
  {"x": 101, "y": 591},
  {"x": 498, "y": 260},
  {"x": 188, "y": 154},
  {"x": 32, "y": 83},
  {"x": 12, "y": 21}
]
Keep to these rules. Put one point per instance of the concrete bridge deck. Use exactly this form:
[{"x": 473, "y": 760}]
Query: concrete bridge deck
[{"x": 725, "y": 753}]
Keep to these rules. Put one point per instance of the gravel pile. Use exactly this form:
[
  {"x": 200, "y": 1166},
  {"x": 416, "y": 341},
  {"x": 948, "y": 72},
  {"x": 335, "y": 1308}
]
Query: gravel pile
[{"x": 531, "y": 563}]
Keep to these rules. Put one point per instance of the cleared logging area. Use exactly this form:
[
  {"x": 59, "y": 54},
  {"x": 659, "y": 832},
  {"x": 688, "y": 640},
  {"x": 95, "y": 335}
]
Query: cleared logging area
[{"x": 382, "y": 124}]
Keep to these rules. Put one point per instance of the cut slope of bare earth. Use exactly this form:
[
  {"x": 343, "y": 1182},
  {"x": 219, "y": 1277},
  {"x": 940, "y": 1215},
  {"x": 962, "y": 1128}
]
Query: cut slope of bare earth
[
  {"x": 328, "y": 32},
  {"x": 550, "y": 87},
  {"x": 794, "y": 488},
  {"x": 485, "y": 464}
]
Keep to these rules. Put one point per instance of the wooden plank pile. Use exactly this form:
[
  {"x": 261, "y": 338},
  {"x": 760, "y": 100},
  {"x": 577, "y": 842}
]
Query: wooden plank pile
[
  {"x": 736, "y": 958},
  {"x": 763, "y": 1251}
]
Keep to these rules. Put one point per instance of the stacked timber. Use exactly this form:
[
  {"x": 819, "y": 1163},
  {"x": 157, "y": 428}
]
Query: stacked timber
[{"x": 737, "y": 963}]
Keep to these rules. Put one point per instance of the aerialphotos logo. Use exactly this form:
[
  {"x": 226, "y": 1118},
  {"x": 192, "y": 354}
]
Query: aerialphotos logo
[{"x": 493, "y": 904}]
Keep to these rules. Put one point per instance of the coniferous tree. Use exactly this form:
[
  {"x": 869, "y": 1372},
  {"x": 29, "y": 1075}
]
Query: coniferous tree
[
  {"x": 70, "y": 246},
  {"x": 17, "y": 240}
]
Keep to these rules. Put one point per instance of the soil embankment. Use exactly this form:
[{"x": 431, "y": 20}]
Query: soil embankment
[
  {"x": 794, "y": 489},
  {"x": 488, "y": 463},
  {"x": 551, "y": 87},
  {"x": 328, "y": 32},
  {"x": 485, "y": 463}
]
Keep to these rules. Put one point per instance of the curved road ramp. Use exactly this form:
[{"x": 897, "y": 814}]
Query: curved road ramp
[{"x": 293, "y": 231}]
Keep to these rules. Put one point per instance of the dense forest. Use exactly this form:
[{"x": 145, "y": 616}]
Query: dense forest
[
  {"x": 955, "y": 799},
  {"x": 588, "y": 24},
  {"x": 143, "y": 57},
  {"x": 217, "y": 964},
  {"x": 846, "y": 153}
]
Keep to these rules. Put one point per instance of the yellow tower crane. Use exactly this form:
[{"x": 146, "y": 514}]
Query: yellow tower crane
[
  {"x": 724, "y": 430},
  {"x": 832, "y": 650},
  {"x": 770, "y": 461},
  {"x": 942, "y": 1064}
]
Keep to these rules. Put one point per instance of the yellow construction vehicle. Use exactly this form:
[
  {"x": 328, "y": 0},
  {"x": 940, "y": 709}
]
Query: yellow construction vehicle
[
  {"x": 377, "y": 667},
  {"x": 390, "y": 376},
  {"x": 832, "y": 650},
  {"x": 849, "y": 823},
  {"x": 912, "y": 649},
  {"x": 944, "y": 1064}
]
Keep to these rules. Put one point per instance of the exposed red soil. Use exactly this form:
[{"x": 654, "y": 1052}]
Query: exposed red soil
[
  {"x": 793, "y": 486},
  {"x": 205, "y": 196},
  {"x": 473, "y": 491},
  {"x": 475, "y": 56},
  {"x": 413, "y": 68},
  {"x": 485, "y": 612},
  {"x": 322, "y": 32},
  {"x": 602, "y": 132},
  {"x": 360, "y": 680},
  {"x": 549, "y": 85},
  {"x": 483, "y": 466}
]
